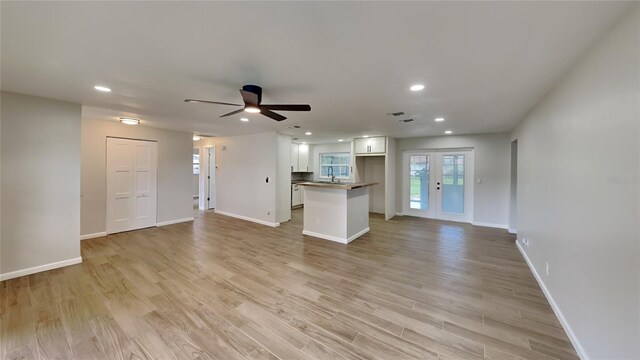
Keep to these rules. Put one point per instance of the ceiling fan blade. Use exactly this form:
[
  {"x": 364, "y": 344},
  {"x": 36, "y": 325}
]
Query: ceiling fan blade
[
  {"x": 209, "y": 102},
  {"x": 287, "y": 107},
  {"x": 232, "y": 113},
  {"x": 271, "y": 114},
  {"x": 249, "y": 97}
]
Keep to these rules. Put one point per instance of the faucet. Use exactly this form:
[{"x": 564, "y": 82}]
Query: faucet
[{"x": 330, "y": 173}]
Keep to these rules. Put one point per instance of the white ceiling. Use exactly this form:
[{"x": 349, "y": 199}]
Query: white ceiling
[{"x": 484, "y": 64}]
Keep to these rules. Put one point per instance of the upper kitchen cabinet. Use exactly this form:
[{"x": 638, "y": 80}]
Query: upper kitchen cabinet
[
  {"x": 300, "y": 158},
  {"x": 371, "y": 146}
]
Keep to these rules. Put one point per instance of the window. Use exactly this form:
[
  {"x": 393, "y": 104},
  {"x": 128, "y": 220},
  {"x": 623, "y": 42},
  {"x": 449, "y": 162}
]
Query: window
[
  {"x": 338, "y": 163},
  {"x": 196, "y": 164}
]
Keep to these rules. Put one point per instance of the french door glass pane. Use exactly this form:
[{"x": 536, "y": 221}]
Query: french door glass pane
[
  {"x": 453, "y": 184},
  {"x": 419, "y": 182}
]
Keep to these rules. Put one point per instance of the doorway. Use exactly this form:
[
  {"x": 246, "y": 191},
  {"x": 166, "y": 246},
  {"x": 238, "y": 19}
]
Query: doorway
[
  {"x": 438, "y": 184},
  {"x": 132, "y": 173},
  {"x": 211, "y": 177}
]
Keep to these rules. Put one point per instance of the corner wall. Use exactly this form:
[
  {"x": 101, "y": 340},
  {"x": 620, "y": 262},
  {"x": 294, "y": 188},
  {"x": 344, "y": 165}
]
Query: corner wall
[
  {"x": 40, "y": 184},
  {"x": 243, "y": 164},
  {"x": 579, "y": 196},
  {"x": 175, "y": 172}
]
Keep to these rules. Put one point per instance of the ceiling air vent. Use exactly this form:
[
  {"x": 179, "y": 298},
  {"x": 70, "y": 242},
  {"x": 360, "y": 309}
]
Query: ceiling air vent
[
  {"x": 397, "y": 113},
  {"x": 406, "y": 120}
]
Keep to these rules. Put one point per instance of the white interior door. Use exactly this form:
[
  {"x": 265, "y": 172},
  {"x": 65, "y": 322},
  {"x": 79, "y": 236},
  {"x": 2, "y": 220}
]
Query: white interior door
[
  {"x": 131, "y": 184},
  {"x": 438, "y": 185},
  {"x": 212, "y": 177}
]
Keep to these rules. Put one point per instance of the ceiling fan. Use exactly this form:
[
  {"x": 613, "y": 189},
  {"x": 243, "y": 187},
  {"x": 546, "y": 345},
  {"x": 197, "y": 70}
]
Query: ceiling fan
[{"x": 252, "y": 97}]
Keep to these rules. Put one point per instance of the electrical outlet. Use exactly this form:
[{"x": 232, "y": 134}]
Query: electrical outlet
[
  {"x": 268, "y": 212},
  {"x": 546, "y": 263}
]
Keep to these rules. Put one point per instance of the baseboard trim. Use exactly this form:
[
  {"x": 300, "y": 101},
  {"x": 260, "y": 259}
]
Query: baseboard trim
[
  {"x": 491, "y": 225},
  {"x": 93, "y": 236},
  {"x": 512, "y": 231},
  {"x": 176, "y": 221},
  {"x": 399, "y": 214},
  {"x": 563, "y": 321},
  {"x": 40, "y": 268},
  {"x": 242, "y": 217},
  {"x": 335, "y": 238}
]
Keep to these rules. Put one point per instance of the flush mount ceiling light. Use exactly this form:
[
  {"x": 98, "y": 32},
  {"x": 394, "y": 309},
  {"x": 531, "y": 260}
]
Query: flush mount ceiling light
[
  {"x": 416, "y": 87},
  {"x": 252, "y": 109},
  {"x": 365, "y": 136},
  {"x": 102, "y": 88},
  {"x": 448, "y": 132},
  {"x": 244, "y": 119},
  {"x": 308, "y": 133},
  {"x": 196, "y": 138},
  {"x": 129, "y": 121},
  {"x": 440, "y": 119},
  {"x": 341, "y": 140}
]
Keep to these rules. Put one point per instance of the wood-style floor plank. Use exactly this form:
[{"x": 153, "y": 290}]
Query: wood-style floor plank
[{"x": 223, "y": 288}]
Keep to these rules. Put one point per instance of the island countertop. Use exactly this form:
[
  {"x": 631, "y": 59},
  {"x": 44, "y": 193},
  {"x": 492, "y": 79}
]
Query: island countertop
[{"x": 337, "y": 185}]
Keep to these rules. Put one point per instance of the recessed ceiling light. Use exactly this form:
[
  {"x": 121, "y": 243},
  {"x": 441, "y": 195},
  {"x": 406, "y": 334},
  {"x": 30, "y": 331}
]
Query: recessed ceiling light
[
  {"x": 196, "y": 138},
  {"x": 129, "y": 121},
  {"x": 416, "y": 87},
  {"x": 252, "y": 109},
  {"x": 244, "y": 119},
  {"x": 448, "y": 132},
  {"x": 440, "y": 119},
  {"x": 365, "y": 136},
  {"x": 102, "y": 88},
  {"x": 308, "y": 133},
  {"x": 341, "y": 140}
]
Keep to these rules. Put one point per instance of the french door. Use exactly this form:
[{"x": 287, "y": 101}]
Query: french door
[
  {"x": 131, "y": 184},
  {"x": 438, "y": 184}
]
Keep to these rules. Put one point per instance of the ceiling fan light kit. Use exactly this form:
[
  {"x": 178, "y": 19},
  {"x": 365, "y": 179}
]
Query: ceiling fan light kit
[{"x": 252, "y": 98}]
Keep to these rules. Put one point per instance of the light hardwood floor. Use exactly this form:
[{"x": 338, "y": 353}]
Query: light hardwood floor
[{"x": 222, "y": 288}]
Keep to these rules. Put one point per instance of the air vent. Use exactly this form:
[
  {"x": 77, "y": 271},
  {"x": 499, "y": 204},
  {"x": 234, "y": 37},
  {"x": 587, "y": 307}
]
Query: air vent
[
  {"x": 294, "y": 139},
  {"x": 397, "y": 113},
  {"x": 406, "y": 120},
  {"x": 294, "y": 127}
]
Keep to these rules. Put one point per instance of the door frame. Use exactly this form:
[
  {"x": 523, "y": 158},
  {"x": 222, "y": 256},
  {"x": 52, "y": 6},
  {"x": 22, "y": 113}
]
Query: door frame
[
  {"x": 210, "y": 204},
  {"x": 435, "y": 169},
  {"x": 106, "y": 179}
]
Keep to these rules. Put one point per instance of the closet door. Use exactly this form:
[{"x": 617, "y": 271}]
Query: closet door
[{"x": 131, "y": 184}]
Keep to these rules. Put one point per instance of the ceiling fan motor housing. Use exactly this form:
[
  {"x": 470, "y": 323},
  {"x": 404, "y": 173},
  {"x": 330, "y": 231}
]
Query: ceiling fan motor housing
[{"x": 254, "y": 89}]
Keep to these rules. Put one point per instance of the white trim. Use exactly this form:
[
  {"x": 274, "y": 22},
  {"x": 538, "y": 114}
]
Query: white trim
[
  {"x": 176, "y": 221},
  {"x": 399, "y": 214},
  {"x": 512, "y": 231},
  {"x": 40, "y": 268},
  {"x": 92, "y": 236},
  {"x": 242, "y": 217},
  {"x": 335, "y": 238},
  {"x": 556, "y": 309},
  {"x": 491, "y": 225}
]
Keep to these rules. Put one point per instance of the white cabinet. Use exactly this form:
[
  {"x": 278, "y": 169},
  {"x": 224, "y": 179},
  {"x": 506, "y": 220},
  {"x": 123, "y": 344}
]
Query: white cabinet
[
  {"x": 296, "y": 195},
  {"x": 374, "y": 145},
  {"x": 294, "y": 157},
  {"x": 300, "y": 158}
]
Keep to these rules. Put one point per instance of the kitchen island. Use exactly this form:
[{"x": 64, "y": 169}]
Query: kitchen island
[{"x": 336, "y": 211}]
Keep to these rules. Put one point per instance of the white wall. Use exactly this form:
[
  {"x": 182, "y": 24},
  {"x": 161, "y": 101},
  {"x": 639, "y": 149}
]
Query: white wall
[
  {"x": 330, "y": 148},
  {"x": 175, "y": 171},
  {"x": 243, "y": 164},
  {"x": 283, "y": 180},
  {"x": 390, "y": 179},
  {"x": 578, "y": 194},
  {"x": 492, "y": 159},
  {"x": 40, "y": 184}
]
